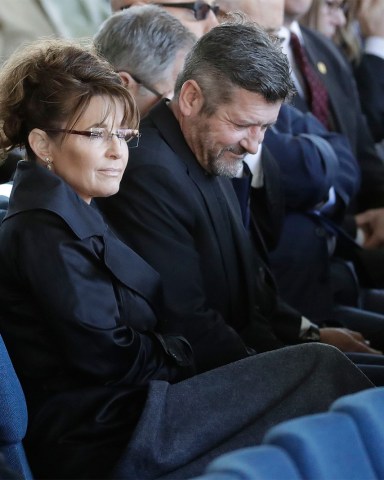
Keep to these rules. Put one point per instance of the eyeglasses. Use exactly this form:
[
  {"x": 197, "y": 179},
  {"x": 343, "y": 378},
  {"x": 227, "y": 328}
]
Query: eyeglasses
[
  {"x": 102, "y": 135},
  {"x": 334, "y": 6},
  {"x": 147, "y": 87},
  {"x": 200, "y": 8}
]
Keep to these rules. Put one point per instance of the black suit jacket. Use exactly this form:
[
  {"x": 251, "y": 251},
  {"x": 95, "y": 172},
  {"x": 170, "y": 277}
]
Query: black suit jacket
[
  {"x": 187, "y": 225},
  {"x": 347, "y": 115},
  {"x": 78, "y": 310},
  {"x": 267, "y": 205},
  {"x": 369, "y": 76},
  {"x": 311, "y": 160}
]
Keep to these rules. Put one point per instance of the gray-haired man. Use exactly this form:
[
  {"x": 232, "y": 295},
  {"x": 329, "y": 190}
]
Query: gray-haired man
[{"x": 147, "y": 46}]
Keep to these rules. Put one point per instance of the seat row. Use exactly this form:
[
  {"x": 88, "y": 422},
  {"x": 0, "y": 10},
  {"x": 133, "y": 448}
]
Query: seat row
[{"x": 346, "y": 442}]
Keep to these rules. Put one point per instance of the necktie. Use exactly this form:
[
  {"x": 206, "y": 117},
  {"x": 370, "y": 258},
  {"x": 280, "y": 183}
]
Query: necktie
[
  {"x": 317, "y": 93},
  {"x": 242, "y": 188}
]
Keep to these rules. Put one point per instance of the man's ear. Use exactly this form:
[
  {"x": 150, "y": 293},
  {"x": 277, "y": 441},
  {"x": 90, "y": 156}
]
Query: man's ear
[
  {"x": 129, "y": 82},
  {"x": 40, "y": 143},
  {"x": 191, "y": 98}
]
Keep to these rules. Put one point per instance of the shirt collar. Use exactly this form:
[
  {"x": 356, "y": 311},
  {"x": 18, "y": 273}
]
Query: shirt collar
[{"x": 255, "y": 166}]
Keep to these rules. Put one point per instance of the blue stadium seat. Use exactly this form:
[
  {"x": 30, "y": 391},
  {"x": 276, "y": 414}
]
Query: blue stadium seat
[
  {"x": 325, "y": 446},
  {"x": 253, "y": 463},
  {"x": 13, "y": 417},
  {"x": 366, "y": 408}
]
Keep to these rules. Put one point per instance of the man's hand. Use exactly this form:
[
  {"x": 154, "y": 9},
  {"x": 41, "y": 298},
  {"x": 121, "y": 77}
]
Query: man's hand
[
  {"x": 371, "y": 18},
  {"x": 372, "y": 224},
  {"x": 346, "y": 340}
]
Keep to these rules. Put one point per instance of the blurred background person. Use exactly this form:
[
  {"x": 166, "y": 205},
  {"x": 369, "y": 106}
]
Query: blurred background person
[
  {"x": 326, "y": 86},
  {"x": 199, "y": 17},
  {"x": 22, "y": 21},
  {"x": 357, "y": 28},
  {"x": 147, "y": 47}
]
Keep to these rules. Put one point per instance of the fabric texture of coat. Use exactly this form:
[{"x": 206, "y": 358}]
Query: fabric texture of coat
[{"x": 83, "y": 307}]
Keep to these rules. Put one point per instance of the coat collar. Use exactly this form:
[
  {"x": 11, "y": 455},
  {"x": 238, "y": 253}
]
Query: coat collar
[
  {"x": 218, "y": 193},
  {"x": 35, "y": 187},
  {"x": 212, "y": 187},
  {"x": 168, "y": 126}
]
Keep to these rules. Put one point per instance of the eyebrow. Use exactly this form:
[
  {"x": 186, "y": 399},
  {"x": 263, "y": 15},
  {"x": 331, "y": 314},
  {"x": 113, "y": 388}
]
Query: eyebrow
[{"x": 252, "y": 124}]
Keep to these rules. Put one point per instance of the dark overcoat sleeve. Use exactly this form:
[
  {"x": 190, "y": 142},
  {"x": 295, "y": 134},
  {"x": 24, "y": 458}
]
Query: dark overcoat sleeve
[{"x": 78, "y": 304}]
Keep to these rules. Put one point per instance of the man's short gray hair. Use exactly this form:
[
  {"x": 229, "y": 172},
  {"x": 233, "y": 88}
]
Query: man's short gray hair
[
  {"x": 143, "y": 41},
  {"x": 241, "y": 54}
]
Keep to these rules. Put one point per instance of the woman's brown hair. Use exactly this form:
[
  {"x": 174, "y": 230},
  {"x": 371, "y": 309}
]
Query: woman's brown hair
[{"x": 50, "y": 83}]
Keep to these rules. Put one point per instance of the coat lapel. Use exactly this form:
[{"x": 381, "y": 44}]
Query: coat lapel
[
  {"x": 219, "y": 198},
  {"x": 37, "y": 188},
  {"x": 337, "y": 105},
  {"x": 133, "y": 272}
]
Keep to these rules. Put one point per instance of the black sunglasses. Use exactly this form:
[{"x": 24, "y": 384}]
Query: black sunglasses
[{"x": 200, "y": 8}]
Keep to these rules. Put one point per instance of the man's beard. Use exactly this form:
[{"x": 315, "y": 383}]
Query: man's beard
[{"x": 221, "y": 166}]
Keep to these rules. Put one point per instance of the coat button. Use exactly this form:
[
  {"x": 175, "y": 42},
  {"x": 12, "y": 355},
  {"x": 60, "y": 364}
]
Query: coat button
[{"x": 320, "y": 232}]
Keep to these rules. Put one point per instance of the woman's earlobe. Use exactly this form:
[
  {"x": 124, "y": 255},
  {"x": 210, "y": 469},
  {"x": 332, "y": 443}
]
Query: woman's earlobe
[
  {"x": 39, "y": 142},
  {"x": 48, "y": 162}
]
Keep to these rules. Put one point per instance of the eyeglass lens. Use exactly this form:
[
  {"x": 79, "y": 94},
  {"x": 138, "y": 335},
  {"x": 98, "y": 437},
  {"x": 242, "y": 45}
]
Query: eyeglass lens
[
  {"x": 131, "y": 137},
  {"x": 200, "y": 8},
  {"x": 335, "y": 5}
]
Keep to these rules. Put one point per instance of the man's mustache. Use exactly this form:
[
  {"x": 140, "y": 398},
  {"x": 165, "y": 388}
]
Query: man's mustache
[{"x": 236, "y": 150}]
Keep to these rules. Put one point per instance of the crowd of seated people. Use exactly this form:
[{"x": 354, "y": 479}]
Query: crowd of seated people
[
  {"x": 301, "y": 234},
  {"x": 288, "y": 323},
  {"x": 141, "y": 289}
]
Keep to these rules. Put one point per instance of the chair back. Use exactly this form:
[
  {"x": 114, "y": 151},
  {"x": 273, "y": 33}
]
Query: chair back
[
  {"x": 13, "y": 417},
  {"x": 261, "y": 462},
  {"x": 366, "y": 408},
  {"x": 324, "y": 446}
]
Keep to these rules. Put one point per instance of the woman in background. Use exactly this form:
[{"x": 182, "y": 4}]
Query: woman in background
[{"x": 357, "y": 28}]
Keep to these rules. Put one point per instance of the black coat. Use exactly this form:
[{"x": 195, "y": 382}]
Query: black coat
[
  {"x": 187, "y": 225},
  {"x": 369, "y": 76},
  {"x": 78, "y": 311}
]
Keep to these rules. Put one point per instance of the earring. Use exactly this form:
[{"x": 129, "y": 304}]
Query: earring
[{"x": 48, "y": 163}]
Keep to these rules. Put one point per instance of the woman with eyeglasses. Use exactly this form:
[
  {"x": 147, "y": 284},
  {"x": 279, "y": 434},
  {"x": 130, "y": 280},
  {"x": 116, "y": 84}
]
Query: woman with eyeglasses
[
  {"x": 357, "y": 28},
  {"x": 336, "y": 19},
  {"x": 79, "y": 308}
]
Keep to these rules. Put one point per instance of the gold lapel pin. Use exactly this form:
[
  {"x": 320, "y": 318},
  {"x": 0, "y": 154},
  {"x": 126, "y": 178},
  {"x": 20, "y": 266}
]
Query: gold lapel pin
[{"x": 322, "y": 68}]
